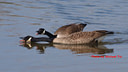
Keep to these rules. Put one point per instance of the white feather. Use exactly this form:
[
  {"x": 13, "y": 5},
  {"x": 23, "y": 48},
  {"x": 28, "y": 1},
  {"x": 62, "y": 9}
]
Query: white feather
[{"x": 100, "y": 39}]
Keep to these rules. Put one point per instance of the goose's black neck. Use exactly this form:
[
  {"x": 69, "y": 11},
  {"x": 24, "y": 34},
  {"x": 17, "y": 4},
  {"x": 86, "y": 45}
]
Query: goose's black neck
[
  {"x": 50, "y": 35},
  {"x": 41, "y": 39}
]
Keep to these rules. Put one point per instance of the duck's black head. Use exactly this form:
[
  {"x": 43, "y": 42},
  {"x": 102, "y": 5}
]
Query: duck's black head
[
  {"x": 27, "y": 39},
  {"x": 40, "y": 31}
]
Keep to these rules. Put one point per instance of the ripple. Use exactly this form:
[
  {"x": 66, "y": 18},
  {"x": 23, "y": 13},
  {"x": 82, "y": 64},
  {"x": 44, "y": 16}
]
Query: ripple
[
  {"x": 35, "y": 24},
  {"x": 9, "y": 3},
  {"x": 25, "y": 16},
  {"x": 90, "y": 5},
  {"x": 115, "y": 41},
  {"x": 6, "y": 24}
]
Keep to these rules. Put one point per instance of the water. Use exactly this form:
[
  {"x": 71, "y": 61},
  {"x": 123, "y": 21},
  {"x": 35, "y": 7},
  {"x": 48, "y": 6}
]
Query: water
[{"x": 23, "y": 17}]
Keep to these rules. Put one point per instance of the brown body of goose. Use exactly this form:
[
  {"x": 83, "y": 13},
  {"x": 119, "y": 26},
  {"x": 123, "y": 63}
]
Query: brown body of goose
[
  {"x": 83, "y": 37},
  {"x": 66, "y": 30}
]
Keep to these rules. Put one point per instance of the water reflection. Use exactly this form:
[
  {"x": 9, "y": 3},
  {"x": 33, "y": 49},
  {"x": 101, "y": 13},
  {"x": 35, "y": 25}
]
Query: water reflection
[
  {"x": 76, "y": 49},
  {"x": 40, "y": 47}
]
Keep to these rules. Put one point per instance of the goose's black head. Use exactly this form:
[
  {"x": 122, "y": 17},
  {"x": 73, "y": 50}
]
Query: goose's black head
[
  {"x": 41, "y": 31},
  {"x": 44, "y": 32},
  {"x": 27, "y": 39}
]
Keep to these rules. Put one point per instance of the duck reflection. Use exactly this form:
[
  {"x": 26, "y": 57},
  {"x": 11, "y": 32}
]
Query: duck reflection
[{"x": 76, "y": 49}]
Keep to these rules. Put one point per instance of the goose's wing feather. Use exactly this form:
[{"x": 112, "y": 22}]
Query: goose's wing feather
[
  {"x": 69, "y": 29},
  {"x": 62, "y": 29},
  {"x": 104, "y": 32}
]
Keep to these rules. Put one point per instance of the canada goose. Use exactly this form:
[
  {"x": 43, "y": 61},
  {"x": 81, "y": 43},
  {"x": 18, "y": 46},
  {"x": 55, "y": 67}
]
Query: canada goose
[{"x": 66, "y": 30}]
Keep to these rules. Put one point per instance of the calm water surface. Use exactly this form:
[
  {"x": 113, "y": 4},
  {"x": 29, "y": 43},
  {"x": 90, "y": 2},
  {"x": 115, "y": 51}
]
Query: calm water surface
[{"x": 23, "y": 17}]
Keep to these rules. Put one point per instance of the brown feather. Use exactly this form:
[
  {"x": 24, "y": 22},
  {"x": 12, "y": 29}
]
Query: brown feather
[
  {"x": 81, "y": 37},
  {"x": 69, "y": 29}
]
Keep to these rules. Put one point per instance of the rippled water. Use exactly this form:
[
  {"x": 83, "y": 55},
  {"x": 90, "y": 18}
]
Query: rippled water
[{"x": 23, "y": 17}]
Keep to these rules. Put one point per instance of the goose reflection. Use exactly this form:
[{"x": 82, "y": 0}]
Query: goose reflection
[
  {"x": 79, "y": 49},
  {"x": 76, "y": 49},
  {"x": 39, "y": 46}
]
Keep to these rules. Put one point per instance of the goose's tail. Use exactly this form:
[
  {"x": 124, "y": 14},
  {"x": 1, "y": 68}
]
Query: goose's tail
[
  {"x": 109, "y": 32},
  {"x": 105, "y": 32}
]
